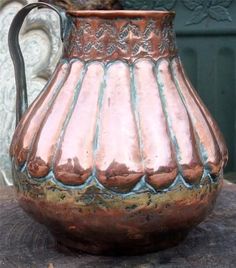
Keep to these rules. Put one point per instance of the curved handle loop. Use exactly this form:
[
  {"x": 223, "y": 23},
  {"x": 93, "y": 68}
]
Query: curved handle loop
[{"x": 17, "y": 57}]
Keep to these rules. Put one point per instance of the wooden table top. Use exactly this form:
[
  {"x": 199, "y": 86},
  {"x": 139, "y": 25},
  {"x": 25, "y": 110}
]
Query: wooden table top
[{"x": 25, "y": 243}]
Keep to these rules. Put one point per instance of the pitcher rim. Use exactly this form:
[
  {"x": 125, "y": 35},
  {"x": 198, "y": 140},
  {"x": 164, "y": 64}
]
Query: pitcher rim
[{"x": 120, "y": 13}]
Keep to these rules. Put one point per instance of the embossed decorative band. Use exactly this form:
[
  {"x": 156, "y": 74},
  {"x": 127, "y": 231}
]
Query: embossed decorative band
[{"x": 119, "y": 38}]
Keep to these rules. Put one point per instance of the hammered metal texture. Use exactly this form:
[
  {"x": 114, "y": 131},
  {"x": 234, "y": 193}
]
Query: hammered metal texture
[
  {"x": 118, "y": 154},
  {"x": 76, "y": 132}
]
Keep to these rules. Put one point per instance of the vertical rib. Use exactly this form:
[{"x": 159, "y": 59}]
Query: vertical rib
[
  {"x": 179, "y": 125},
  {"x": 157, "y": 151},
  {"x": 47, "y": 138},
  {"x": 74, "y": 156},
  {"x": 210, "y": 152},
  {"x": 118, "y": 161},
  {"x": 33, "y": 118}
]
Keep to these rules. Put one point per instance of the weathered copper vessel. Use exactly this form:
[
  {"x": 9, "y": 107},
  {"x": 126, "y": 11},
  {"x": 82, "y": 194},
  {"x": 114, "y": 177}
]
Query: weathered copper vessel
[{"x": 118, "y": 154}]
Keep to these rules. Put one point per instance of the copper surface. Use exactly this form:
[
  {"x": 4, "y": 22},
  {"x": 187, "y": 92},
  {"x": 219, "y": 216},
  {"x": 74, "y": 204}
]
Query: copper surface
[
  {"x": 147, "y": 106},
  {"x": 74, "y": 157},
  {"x": 120, "y": 35},
  {"x": 114, "y": 14},
  {"x": 118, "y": 152},
  {"x": 31, "y": 121},
  {"x": 98, "y": 222}
]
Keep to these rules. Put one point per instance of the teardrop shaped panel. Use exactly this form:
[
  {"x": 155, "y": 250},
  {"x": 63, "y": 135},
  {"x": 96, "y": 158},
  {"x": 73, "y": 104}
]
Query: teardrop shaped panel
[
  {"x": 118, "y": 159},
  {"x": 46, "y": 142},
  {"x": 207, "y": 143},
  {"x": 179, "y": 124},
  {"x": 157, "y": 150},
  {"x": 30, "y": 123},
  {"x": 215, "y": 129},
  {"x": 74, "y": 158}
]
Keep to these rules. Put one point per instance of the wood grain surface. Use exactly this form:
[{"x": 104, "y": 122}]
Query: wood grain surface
[{"x": 25, "y": 243}]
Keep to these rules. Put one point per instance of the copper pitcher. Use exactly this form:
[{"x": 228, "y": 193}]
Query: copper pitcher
[{"x": 118, "y": 154}]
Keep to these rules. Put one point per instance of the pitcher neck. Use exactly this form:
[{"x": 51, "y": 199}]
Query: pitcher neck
[{"x": 122, "y": 35}]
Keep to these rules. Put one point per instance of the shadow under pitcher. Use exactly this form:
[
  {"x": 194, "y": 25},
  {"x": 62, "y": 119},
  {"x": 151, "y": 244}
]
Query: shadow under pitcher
[{"x": 118, "y": 154}]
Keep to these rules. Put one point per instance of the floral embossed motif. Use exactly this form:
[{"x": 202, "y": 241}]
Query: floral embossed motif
[
  {"x": 201, "y": 9},
  {"x": 119, "y": 40},
  {"x": 168, "y": 41},
  {"x": 131, "y": 38}
]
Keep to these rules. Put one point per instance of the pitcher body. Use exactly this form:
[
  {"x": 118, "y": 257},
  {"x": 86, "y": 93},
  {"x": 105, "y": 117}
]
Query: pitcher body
[{"x": 118, "y": 154}]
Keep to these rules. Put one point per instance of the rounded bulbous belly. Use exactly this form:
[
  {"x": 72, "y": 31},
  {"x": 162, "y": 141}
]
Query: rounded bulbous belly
[
  {"x": 118, "y": 157},
  {"x": 124, "y": 125}
]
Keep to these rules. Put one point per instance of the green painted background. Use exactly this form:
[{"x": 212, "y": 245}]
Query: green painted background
[{"x": 206, "y": 36}]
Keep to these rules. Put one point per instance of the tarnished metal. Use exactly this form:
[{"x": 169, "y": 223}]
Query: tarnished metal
[{"x": 117, "y": 154}]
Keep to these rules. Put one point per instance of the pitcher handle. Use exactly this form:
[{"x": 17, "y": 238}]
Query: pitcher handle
[{"x": 17, "y": 57}]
